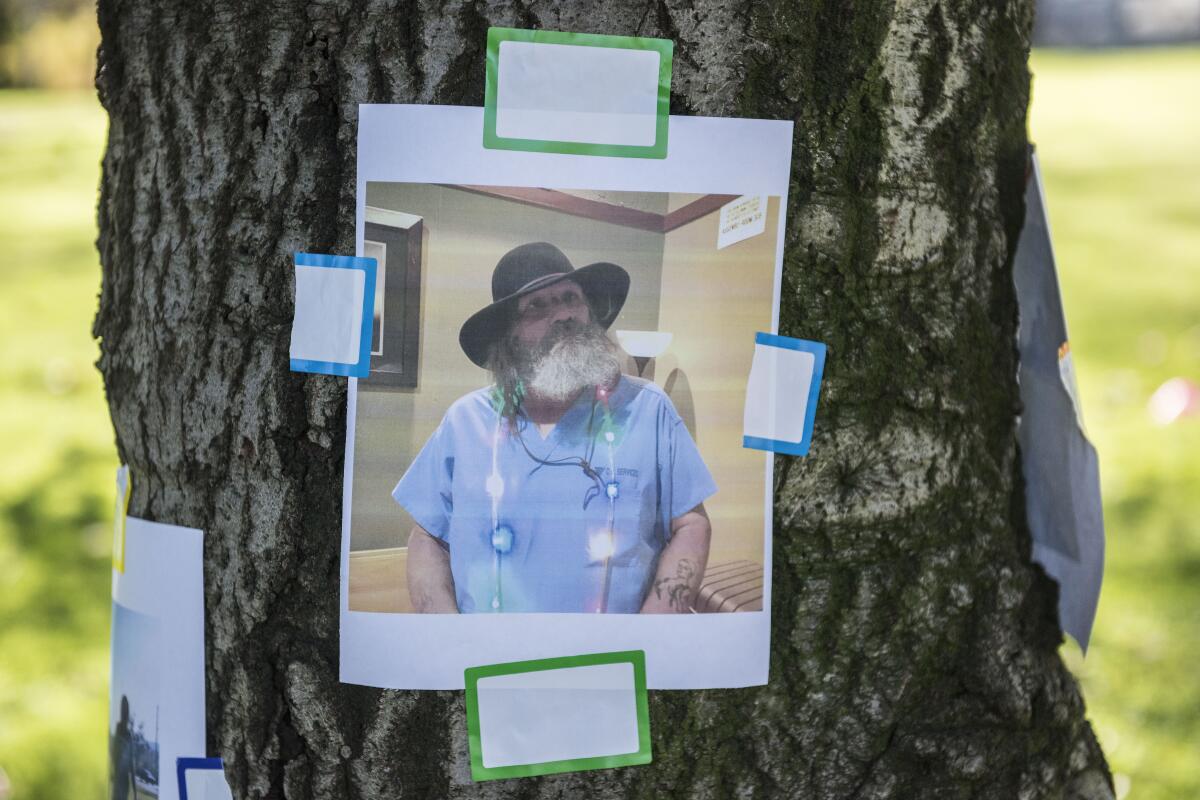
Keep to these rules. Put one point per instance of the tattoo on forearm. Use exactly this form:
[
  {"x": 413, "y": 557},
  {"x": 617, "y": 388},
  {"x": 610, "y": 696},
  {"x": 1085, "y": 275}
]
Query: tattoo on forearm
[{"x": 677, "y": 589}]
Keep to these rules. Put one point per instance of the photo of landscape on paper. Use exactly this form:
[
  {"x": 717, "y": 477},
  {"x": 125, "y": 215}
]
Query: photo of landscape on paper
[{"x": 134, "y": 705}]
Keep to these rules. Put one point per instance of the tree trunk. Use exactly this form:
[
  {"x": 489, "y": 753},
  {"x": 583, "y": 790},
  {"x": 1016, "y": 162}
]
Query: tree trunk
[{"x": 914, "y": 643}]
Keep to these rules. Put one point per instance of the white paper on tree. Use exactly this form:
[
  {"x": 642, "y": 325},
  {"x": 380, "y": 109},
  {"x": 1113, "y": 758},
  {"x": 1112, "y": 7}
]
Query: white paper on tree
[
  {"x": 558, "y": 714},
  {"x": 157, "y": 691},
  {"x": 441, "y": 145},
  {"x": 328, "y": 321},
  {"x": 572, "y": 93},
  {"x": 741, "y": 219},
  {"x": 207, "y": 785}
]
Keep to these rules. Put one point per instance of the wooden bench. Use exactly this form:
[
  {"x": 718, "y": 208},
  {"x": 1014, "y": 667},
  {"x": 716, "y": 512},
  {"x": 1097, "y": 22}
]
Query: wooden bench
[{"x": 731, "y": 586}]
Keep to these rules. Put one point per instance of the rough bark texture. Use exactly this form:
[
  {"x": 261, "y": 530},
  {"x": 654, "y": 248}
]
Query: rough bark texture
[{"x": 914, "y": 645}]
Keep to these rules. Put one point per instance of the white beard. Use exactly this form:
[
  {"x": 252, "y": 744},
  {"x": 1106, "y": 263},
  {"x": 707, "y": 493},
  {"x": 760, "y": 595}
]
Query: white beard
[{"x": 571, "y": 362}]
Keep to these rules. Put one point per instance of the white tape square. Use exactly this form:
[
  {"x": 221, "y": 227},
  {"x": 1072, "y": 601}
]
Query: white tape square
[
  {"x": 781, "y": 394},
  {"x": 777, "y": 393},
  {"x": 558, "y": 715},
  {"x": 328, "y": 321},
  {"x": 572, "y": 93},
  {"x": 206, "y": 784}
]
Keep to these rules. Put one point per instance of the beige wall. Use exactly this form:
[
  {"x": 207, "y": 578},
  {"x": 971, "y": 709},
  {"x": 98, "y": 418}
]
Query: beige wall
[
  {"x": 714, "y": 302},
  {"x": 465, "y": 234}
]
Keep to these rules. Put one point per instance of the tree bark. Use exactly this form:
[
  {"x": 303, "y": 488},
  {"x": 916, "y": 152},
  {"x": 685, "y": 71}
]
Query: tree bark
[{"x": 914, "y": 643}]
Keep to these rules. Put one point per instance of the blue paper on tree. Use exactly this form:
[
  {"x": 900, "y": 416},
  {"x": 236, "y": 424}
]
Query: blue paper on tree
[{"x": 1062, "y": 472}]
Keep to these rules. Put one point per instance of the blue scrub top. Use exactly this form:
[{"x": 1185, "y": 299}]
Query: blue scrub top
[{"x": 555, "y": 511}]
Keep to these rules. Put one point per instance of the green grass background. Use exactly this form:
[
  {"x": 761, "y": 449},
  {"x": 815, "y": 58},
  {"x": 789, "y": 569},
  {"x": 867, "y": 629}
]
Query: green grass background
[{"x": 1119, "y": 138}]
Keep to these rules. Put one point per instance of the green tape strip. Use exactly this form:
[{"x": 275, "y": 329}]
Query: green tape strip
[
  {"x": 664, "y": 47},
  {"x": 641, "y": 756}
]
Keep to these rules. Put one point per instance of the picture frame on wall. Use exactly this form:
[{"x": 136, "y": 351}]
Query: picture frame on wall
[{"x": 394, "y": 240}]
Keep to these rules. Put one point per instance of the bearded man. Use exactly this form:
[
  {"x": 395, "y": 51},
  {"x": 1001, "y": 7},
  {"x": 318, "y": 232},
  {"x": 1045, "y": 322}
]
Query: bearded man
[{"x": 565, "y": 486}]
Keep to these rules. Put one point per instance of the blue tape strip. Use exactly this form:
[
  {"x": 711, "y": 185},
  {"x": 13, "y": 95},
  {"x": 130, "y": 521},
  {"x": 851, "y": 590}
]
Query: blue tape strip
[
  {"x": 817, "y": 349},
  {"x": 361, "y": 368},
  {"x": 777, "y": 446},
  {"x": 182, "y": 765}
]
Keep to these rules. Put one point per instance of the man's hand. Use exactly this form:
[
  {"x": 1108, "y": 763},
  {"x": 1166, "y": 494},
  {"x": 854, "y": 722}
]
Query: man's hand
[
  {"x": 681, "y": 566},
  {"x": 430, "y": 584}
]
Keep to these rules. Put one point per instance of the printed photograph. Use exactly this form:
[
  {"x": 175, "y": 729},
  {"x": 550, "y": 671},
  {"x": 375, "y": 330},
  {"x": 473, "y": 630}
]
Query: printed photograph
[
  {"x": 133, "y": 723},
  {"x": 553, "y": 419}
]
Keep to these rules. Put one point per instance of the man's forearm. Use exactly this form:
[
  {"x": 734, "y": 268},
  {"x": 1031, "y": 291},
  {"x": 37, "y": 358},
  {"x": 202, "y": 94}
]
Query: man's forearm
[
  {"x": 681, "y": 566},
  {"x": 430, "y": 583}
]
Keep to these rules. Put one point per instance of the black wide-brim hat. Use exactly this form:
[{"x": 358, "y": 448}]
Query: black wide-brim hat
[{"x": 526, "y": 269}]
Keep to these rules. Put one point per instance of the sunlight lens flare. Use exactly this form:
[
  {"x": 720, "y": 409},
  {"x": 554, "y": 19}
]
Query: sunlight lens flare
[{"x": 601, "y": 546}]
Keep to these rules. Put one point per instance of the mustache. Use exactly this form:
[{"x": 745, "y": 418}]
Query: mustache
[
  {"x": 562, "y": 330},
  {"x": 561, "y": 334}
]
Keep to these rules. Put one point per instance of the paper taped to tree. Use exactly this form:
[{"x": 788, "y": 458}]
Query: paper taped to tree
[
  {"x": 202, "y": 779},
  {"x": 566, "y": 471},
  {"x": 1062, "y": 473},
  {"x": 579, "y": 93},
  {"x": 156, "y": 711},
  {"x": 557, "y": 715},
  {"x": 781, "y": 395},
  {"x": 335, "y": 301}
]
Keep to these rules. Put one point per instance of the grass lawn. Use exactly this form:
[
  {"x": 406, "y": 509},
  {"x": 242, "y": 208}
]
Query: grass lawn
[
  {"x": 1119, "y": 138},
  {"x": 57, "y": 462},
  {"x": 1118, "y": 135}
]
